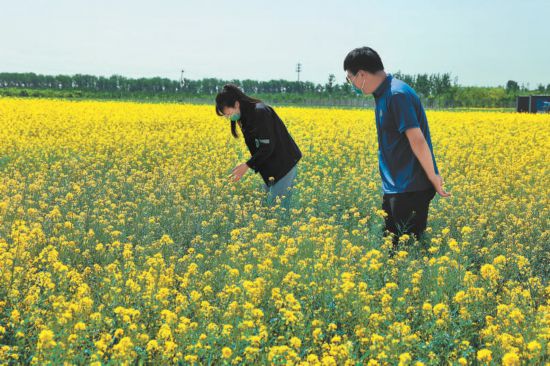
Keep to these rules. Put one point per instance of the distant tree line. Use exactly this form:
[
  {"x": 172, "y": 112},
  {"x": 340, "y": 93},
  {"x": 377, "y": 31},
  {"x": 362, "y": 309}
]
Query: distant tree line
[
  {"x": 118, "y": 83},
  {"x": 436, "y": 90}
]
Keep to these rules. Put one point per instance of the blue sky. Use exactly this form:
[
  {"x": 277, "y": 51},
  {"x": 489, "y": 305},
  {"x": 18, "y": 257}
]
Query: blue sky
[{"x": 480, "y": 42}]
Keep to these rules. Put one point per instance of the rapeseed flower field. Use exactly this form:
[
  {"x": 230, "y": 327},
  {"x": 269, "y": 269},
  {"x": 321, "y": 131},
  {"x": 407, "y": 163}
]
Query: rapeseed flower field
[{"x": 122, "y": 241}]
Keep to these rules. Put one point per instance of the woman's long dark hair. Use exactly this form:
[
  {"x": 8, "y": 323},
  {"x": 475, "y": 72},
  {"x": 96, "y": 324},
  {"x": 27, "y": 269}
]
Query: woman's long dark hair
[{"x": 229, "y": 95}]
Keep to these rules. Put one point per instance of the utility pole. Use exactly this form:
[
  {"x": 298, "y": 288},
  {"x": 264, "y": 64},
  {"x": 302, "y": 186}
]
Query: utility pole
[
  {"x": 182, "y": 81},
  {"x": 298, "y": 70}
]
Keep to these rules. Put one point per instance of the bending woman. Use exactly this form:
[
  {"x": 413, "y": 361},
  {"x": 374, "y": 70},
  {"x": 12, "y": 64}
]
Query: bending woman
[{"x": 274, "y": 154}]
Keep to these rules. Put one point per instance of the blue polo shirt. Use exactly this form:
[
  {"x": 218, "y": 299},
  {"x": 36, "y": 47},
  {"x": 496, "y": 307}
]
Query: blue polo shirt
[{"x": 398, "y": 108}]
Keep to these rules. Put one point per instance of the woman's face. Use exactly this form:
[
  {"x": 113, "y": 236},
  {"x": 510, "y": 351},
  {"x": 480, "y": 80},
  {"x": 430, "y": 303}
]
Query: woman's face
[{"x": 229, "y": 111}]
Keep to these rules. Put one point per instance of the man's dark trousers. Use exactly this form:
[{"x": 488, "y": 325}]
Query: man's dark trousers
[{"x": 407, "y": 213}]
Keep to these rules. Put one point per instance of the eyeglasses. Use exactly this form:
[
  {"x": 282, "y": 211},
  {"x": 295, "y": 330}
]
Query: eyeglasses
[{"x": 350, "y": 80}]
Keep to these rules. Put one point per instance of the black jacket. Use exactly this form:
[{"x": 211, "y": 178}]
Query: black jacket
[{"x": 273, "y": 150}]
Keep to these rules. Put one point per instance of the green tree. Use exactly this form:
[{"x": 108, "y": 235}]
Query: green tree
[{"x": 512, "y": 86}]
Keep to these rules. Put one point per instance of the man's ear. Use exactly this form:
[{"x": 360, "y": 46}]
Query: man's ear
[
  {"x": 360, "y": 75},
  {"x": 237, "y": 105}
]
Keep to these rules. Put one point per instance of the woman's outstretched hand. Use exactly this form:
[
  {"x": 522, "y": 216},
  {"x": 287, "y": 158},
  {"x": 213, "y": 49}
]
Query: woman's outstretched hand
[{"x": 238, "y": 172}]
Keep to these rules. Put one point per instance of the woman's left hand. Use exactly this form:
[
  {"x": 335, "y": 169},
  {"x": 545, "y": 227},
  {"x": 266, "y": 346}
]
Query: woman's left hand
[{"x": 238, "y": 172}]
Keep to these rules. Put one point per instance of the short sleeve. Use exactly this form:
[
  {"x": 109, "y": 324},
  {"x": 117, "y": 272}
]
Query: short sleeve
[{"x": 403, "y": 112}]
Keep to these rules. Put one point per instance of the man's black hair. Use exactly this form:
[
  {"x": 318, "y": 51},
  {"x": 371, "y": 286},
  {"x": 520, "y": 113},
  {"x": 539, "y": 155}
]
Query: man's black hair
[{"x": 363, "y": 58}]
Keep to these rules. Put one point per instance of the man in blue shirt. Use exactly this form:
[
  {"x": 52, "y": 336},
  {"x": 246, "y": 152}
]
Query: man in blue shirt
[{"x": 407, "y": 165}]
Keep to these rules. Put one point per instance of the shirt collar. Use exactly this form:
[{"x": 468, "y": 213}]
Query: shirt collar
[{"x": 383, "y": 86}]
